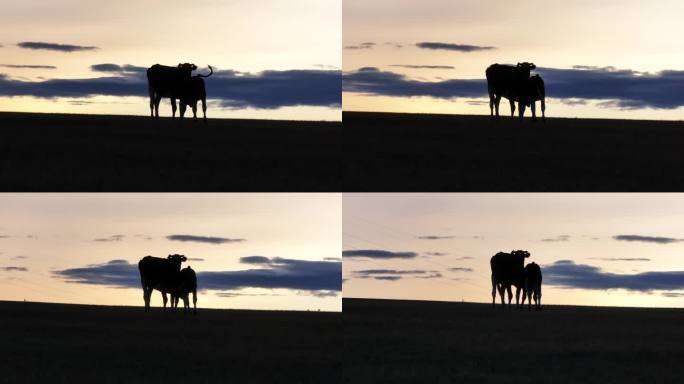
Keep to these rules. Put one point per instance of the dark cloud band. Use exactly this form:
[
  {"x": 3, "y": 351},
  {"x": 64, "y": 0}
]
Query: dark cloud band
[
  {"x": 567, "y": 274},
  {"x": 453, "y": 47},
  {"x": 379, "y": 254},
  {"x": 203, "y": 239},
  {"x": 54, "y": 46}
]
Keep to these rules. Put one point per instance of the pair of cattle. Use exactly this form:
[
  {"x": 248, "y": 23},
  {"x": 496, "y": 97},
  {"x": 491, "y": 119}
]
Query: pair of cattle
[
  {"x": 166, "y": 276},
  {"x": 515, "y": 84},
  {"x": 509, "y": 269},
  {"x": 177, "y": 83}
]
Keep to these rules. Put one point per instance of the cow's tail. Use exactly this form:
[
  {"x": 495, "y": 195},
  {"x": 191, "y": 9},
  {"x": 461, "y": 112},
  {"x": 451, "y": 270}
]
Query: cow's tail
[{"x": 211, "y": 71}]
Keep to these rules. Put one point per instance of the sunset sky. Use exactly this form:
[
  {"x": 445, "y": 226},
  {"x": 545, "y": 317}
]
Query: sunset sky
[
  {"x": 613, "y": 59},
  {"x": 84, "y": 248},
  {"x": 594, "y": 249},
  {"x": 276, "y": 58}
]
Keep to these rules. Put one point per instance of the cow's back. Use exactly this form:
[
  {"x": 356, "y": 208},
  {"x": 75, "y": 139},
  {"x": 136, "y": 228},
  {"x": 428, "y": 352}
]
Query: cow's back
[{"x": 166, "y": 81}]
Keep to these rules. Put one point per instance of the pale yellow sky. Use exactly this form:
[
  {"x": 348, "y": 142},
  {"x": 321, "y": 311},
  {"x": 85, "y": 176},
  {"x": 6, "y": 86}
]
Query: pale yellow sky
[
  {"x": 51, "y": 232},
  {"x": 246, "y": 36},
  {"x": 484, "y": 224},
  {"x": 627, "y": 34}
]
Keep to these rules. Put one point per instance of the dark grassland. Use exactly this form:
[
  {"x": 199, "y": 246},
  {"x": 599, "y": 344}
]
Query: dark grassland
[
  {"x": 59, "y": 343},
  {"x": 56, "y": 152},
  {"x": 387, "y": 341},
  {"x": 425, "y": 153}
]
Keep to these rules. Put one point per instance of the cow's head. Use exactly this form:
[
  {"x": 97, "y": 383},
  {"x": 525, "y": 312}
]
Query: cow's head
[
  {"x": 177, "y": 258},
  {"x": 187, "y": 67},
  {"x": 521, "y": 253},
  {"x": 526, "y": 66}
]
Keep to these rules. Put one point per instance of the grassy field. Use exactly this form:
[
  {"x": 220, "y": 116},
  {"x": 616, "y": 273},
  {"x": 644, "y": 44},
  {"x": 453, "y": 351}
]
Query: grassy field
[
  {"x": 55, "y": 152},
  {"x": 423, "y": 153},
  {"x": 60, "y": 343},
  {"x": 388, "y": 341}
]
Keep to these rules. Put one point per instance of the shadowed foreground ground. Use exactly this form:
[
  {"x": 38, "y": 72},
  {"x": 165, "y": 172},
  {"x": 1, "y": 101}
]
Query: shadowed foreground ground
[
  {"x": 387, "y": 341},
  {"x": 59, "y": 343},
  {"x": 55, "y": 152},
  {"x": 423, "y": 153}
]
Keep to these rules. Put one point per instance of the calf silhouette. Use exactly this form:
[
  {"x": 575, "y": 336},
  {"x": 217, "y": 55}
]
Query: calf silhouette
[
  {"x": 533, "y": 283},
  {"x": 508, "y": 269},
  {"x": 165, "y": 81},
  {"x": 192, "y": 91},
  {"x": 160, "y": 274},
  {"x": 507, "y": 81},
  {"x": 186, "y": 284},
  {"x": 533, "y": 92}
]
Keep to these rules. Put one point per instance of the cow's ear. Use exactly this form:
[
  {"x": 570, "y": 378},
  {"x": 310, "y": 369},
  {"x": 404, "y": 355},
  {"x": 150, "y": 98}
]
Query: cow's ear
[{"x": 183, "y": 258}]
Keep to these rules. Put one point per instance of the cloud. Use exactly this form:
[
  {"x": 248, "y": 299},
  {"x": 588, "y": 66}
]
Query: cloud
[
  {"x": 464, "y": 258},
  {"x": 624, "y": 89},
  {"x": 20, "y": 257},
  {"x": 387, "y": 278},
  {"x": 559, "y": 238},
  {"x": 278, "y": 273},
  {"x": 5, "y": 236},
  {"x": 110, "y": 238},
  {"x": 567, "y": 274},
  {"x": 255, "y": 260},
  {"x": 27, "y": 66},
  {"x": 647, "y": 239},
  {"x": 332, "y": 258},
  {"x": 620, "y": 258},
  {"x": 410, "y": 66},
  {"x": 115, "y": 68},
  {"x": 673, "y": 294},
  {"x": 460, "y": 269},
  {"x": 232, "y": 294},
  {"x": 453, "y": 47},
  {"x": 195, "y": 259},
  {"x": 394, "y": 274},
  {"x": 203, "y": 239},
  {"x": 433, "y": 237},
  {"x": 378, "y": 254},
  {"x": 14, "y": 269},
  {"x": 54, "y": 46},
  {"x": 367, "y": 45},
  {"x": 436, "y": 253},
  {"x": 228, "y": 89}
]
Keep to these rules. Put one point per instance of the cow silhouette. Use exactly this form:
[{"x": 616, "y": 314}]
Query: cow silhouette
[
  {"x": 164, "y": 81},
  {"x": 186, "y": 284},
  {"x": 192, "y": 91},
  {"x": 160, "y": 274},
  {"x": 508, "y": 269},
  {"x": 511, "y": 82},
  {"x": 528, "y": 97},
  {"x": 533, "y": 283}
]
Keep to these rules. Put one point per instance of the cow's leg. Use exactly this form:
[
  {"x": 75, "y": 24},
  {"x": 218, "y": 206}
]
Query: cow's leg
[
  {"x": 524, "y": 295},
  {"x": 151, "y": 102},
  {"x": 497, "y": 100},
  {"x": 173, "y": 107},
  {"x": 164, "y": 298},
  {"x": 539, "y": 294},
  {"x": 533, "y": 109},
  {"x": 157, "y": 100},
  {"x": 521, "y": 107},
  {"x": 147, "y": 293},
  {"x": 194, "y": 301},
  {"x": 493, "y": 292},
  {"x": 512, "y": 107},
  {"x": 204, "y": 108},
  {"x": 529, "y": 299},
  {"x": 543, "y": 108},
  {"x": 510, "y": 295},
  {"x": 182, "y": 109},
  {"x": 517, "y": 296},
  {"x": 502, "y": 289},
  {"x": 194, "y": 111},
  {"x": 491, "y": 103}
]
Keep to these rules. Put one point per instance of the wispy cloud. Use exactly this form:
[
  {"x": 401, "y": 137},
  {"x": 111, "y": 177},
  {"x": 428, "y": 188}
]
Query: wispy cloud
[
  {"x": 378, "y": 254},
  {"x": 434, "y": 237},
  {"x": 460, "y": 269},
  {"x": 366, "y": 45},
  {"x": 436, "y": 253},
  {"x": 559, "y": 238},
  {"x": 54, "y": 46},
  {"x": 20, "y": 257},
  {"x": 411, "y": 66},
  {"x": 110, "y": 238},
  {"x": 27, "y": 66},
  {"x": 453, "y": 47},
  {"x": 203, "y": 239},
  {"x": 14, "y": 269},
  {"x": 647, "y": 239},
  {"x": 620, "y": 258}
]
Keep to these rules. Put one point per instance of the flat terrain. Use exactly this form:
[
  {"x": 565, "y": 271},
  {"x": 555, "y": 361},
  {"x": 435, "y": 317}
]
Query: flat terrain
[
  {"x": 55, "y": 152},
  {"x": 59, "y": 343},
  {"x": 425, "y": 153},
  {"x": 388, "y": 341}
]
